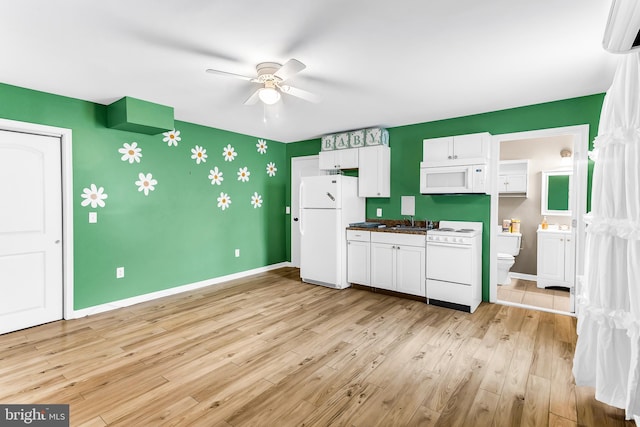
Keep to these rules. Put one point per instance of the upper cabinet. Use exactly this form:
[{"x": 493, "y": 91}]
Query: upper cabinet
[
  {"x": 373, "y": 164},
  {"x": 374, "y": 174},
  {"x": 339, "y": 159},
  {"x": 456, "y": 150},
  {"x": 513, "y": 178}
]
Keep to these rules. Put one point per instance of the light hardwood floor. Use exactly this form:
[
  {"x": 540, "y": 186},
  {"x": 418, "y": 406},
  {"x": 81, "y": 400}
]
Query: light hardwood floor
[
  {"x": 271, "y": 351},
  {"x": 527, "y": 292}
]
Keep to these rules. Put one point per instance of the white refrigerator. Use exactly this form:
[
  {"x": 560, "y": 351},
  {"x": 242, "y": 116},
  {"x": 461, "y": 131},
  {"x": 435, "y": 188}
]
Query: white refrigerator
[{"x": 328, "y": 204}]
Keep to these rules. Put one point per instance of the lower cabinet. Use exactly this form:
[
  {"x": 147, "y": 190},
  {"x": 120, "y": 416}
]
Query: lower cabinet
[
  {"x": 358, "y": 257},
  {"x": 398, "y": 262},
  {"x": 556, "y": 260}
]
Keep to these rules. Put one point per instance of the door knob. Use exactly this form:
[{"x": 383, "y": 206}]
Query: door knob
[{"x": 295, "y": 219}]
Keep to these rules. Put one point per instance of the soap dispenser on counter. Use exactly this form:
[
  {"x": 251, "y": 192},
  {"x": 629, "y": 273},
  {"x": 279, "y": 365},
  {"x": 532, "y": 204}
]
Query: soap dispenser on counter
[{"x": 544, "y": 224}]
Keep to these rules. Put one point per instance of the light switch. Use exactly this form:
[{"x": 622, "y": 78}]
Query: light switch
[
  {"x": 93, "y": 217},
  {"x": 287, "y": 210},
  {"x": 379, "y": 212}
]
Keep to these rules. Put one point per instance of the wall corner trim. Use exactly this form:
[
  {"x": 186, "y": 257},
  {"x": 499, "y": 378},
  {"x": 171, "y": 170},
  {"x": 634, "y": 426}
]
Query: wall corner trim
[{"x": 216, "y": 281}]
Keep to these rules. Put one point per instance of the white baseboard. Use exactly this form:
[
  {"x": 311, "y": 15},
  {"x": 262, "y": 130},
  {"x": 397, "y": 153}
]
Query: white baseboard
[
  {"x": 531, "y": 277},
  {"x": 75, "y": 314}
]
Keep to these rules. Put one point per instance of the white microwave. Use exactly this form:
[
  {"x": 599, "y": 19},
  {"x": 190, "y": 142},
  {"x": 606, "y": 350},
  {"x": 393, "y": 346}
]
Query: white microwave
[{"x": 453, "y": 179}]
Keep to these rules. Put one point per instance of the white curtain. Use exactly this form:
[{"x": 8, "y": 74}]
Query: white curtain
[{"x": 608, "y": 296}]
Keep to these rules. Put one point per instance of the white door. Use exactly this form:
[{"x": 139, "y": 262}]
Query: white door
[
  {"x": 30, "y": 230},
  {"x": 300, "y": 166}
]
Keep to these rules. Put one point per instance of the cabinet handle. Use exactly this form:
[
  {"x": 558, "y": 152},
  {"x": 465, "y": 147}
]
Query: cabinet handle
[
  {"x": 455, "y": 157},
  {"x": 397, "y": 247},
  {"x": 449, "y": 157}
]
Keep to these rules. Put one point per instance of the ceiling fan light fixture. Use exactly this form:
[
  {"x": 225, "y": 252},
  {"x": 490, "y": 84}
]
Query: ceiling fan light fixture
[{"x": 269, "y": 95}]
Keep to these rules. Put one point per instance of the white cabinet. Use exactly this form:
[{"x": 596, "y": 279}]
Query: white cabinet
[
  {"x": 556, "y": 258},
  {"x": 456, "y": 150},
  {"x": 358, "y": 257},
  {"x": 374, "y": 174},
  {"x": 339, "y": 159},
  {"x": 513, "y": 177},
  {"x": 398, "y": 262}
]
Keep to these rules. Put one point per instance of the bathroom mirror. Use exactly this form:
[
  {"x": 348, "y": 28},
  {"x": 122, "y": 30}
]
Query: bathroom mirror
[{"x": 556, "y": 193}]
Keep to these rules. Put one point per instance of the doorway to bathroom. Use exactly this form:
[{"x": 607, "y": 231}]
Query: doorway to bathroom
[{"x": 539, "y": 198}]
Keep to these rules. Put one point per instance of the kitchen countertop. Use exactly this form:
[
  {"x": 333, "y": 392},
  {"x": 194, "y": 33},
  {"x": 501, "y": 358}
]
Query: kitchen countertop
[{"x": 402, "y": 227}]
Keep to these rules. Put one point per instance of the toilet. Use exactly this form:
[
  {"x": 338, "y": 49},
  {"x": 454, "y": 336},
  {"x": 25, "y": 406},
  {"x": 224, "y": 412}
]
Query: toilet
[{"x": 508, "y": 249}]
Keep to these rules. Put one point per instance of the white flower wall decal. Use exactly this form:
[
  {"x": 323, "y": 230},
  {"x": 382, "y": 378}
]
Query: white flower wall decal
[
  {"x": 130, "y": 152},
  {"x": 271, "y": 169},
  {"x": 256, "y": 200},
  {"x": 199, "y": 154},
  {"x": 215, "y": 176},
  {"x": 262, "y": 146},
  {"x": 146, "y": 183},
  {"x": 224, "y": 201},
  {"x": 94, "y": 196},
  {"x": 229, "y": 153},
  {"x": 243, "y": 174},
  {"x": 172, "y": 137}
]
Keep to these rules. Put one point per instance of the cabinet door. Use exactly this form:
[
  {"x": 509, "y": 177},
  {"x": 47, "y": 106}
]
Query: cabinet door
[
  {"x": 551, "y": 263},
  {"x": 327, "y": 160},
  {"x": 437, "y": 150},
  {"x": 382, "y": 266},
  {"x": 338, "y": 159},
  {"x": 347, "y": 159},
  {"x": 374, "y": 171},
  {"x": 502, "y": 183},
  {"x": 517, "y": 184},
  {"x": 358, "y": 262},
  {"x": 410, "y": 270},
  {"x": 473, "y": 146}
]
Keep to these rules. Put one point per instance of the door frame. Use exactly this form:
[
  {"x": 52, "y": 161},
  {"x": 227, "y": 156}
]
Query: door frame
[
  {"x": 580, "y": 135},
  {"x": 65, "y": 136}
]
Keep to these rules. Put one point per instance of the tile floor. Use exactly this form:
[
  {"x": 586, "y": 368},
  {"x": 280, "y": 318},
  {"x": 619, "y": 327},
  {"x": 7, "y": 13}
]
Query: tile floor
[{"x": 526, "y": 292}]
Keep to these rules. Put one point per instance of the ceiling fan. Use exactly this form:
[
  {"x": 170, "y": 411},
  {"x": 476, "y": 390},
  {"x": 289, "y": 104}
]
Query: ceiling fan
[{"x": 271, "y": 76}]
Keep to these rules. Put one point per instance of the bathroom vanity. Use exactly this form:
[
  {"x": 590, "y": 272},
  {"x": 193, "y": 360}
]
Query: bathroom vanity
[{"x": 556, "y": 257}]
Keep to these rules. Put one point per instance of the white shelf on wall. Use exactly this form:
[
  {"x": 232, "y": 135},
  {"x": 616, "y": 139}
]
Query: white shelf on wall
[{"x": 513, "y": 178}]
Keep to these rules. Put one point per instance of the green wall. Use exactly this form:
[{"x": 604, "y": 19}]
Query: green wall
[
  {"x": 406, "y": 154},
  {"x": 176, "y": 234}
]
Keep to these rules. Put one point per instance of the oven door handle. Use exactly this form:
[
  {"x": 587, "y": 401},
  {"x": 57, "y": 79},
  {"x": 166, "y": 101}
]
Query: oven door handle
[{"x": 449, "y": 244}]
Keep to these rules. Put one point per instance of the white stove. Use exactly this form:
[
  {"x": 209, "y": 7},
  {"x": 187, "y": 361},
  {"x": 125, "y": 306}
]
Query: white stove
[
  {"x": 454, "y": 265},
  {"x": 456, "y": 232}
]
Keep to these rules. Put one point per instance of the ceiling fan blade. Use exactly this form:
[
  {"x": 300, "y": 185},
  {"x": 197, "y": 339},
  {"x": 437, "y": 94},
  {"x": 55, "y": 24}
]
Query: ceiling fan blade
[
  {"x": 300, "y": 93},
  {"x": 289, "y": 69},
  {"x": 226, "y": 74},
  {"x": 253, "y": 98}
]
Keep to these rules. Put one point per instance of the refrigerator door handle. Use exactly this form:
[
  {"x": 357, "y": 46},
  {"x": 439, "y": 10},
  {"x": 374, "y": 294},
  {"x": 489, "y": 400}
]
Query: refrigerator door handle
[{"x": 300, "y": 209}]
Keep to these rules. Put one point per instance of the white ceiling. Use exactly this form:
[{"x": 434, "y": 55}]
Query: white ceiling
[{"x": 374, "y": 62}]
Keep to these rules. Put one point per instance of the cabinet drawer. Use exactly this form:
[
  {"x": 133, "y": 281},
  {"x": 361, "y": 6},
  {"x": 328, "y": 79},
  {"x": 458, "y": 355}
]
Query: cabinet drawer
[
  {"x": 359, "y": 235},
  {"x": 399, "y": 238}
]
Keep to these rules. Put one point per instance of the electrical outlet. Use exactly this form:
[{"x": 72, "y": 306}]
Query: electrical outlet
[
  {"x": 379, "y": 212},
  {"x": 93, "y": 217},
  {"x": 119, "y": 272},
  {"x": 237, "y": 253},
  {"x": 287, "y": 210}
]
